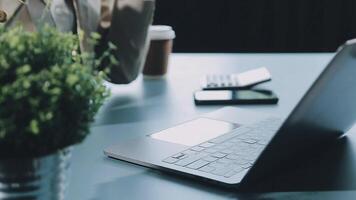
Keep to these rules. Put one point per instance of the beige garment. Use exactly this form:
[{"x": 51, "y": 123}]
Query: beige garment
[{"x": 123, "y": 22}]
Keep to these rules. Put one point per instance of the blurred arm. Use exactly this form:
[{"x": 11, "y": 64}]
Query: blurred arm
[{"x": 127, "y": 28}]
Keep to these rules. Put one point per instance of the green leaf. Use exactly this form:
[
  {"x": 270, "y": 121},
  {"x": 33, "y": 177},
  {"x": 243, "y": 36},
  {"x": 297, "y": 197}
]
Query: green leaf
[
  {"x": 2, "y": 133},
  {"x": 72, "y": 79},
  {"x": 112, "y": 46},
  {"x": 23, "y": 70},
  {"x": 34, "y": 127},
  {"x": 95, "y": 36}
]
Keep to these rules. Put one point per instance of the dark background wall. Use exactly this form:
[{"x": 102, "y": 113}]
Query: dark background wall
[{"x": 258, "y": 25}]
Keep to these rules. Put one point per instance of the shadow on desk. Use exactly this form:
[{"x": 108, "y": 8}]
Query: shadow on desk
[
  {"x": 331, "y": 175},
  {"x": 133, "y": 103}
]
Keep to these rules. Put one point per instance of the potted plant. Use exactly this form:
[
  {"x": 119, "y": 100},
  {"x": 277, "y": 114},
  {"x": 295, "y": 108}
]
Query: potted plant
[{"x": 49, "y": 94}]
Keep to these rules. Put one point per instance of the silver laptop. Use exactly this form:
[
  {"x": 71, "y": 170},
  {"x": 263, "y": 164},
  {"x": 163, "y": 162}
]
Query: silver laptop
[{"x": 232, "y": 146}]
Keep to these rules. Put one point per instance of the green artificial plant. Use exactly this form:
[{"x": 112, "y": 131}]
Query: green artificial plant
[{"x": 49, "y": 92}]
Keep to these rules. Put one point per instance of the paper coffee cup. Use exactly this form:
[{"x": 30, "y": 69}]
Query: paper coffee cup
[{"x": 161, "y": 43}]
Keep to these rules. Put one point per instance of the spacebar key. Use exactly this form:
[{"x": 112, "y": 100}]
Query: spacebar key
[
  {"x": 190, "y": 159},
  {"x": 227, "y": 136}
]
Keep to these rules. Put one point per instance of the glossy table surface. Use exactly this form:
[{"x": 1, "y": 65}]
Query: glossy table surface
[{"x": 146, "y": 106}]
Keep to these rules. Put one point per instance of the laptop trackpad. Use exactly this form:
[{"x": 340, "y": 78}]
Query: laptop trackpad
[{"x": 195, "y": 132}]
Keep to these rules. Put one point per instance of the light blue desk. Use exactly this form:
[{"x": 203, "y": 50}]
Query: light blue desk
[{"x": 146, "y": 106}]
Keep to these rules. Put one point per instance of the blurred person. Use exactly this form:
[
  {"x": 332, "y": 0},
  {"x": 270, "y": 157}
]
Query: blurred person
[{"x": 122, "y": 22}]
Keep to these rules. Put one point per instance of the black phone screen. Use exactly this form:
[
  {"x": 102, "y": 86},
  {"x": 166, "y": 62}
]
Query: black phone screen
[{"x": 234, "y": 96}]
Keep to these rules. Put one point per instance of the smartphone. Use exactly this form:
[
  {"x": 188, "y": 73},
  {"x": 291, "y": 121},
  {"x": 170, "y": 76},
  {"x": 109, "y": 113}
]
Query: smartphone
[{"x": 223, "y": 97}]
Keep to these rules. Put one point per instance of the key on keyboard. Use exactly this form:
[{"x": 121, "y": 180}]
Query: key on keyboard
[{"x": 230, "y": 153}]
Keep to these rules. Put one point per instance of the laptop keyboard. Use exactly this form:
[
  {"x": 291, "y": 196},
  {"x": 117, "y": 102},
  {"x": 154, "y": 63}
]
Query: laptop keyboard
[{"x": 229, "y": 153}]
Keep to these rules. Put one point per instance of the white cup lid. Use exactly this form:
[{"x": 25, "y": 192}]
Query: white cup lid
[{"x": 161, "y": 32}]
